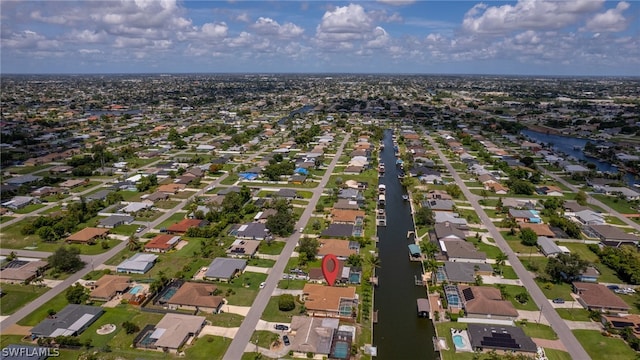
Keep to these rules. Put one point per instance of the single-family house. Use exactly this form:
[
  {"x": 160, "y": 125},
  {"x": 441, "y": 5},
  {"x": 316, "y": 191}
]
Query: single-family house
[
  {"x": 484, "y": 302},
  {"x": 172, "y": 332},
  {"x": 70, "y": 321},
  {"x": 614, "y": 236},
  {"x": 598, "y": 297},
  {"x": 138, "y": 263},
  {"x": 523, "y": 216},
  {"x": 19, "y": 202},
  {"x": 501, "y": 338},
  {"x": 315, "y": 334},
  {"x": 224, "y": 269},
  {"x": 548, "y": 246},
  {"x": 162, "y": 243},
  {"x": 109, "y": 286},
  {"x": 20, "y": 271},
  {"x": 88, "y": 235},
  {"x": 243, "y": 248},
  {"x": 251, "y": 231},
  {"x": 330, "y": 301},
  {"x": 181, "y": 227},
  {"x": 465, "y": 272},
  {"x": 115, "y": 220},
  {"x": 461, "y": 251},
  {"x": 448, "y": 231},
  {"x": 340, "y": 248},
  {"x": 197, "y": 297},
  {"x": 590, "y": 217}
]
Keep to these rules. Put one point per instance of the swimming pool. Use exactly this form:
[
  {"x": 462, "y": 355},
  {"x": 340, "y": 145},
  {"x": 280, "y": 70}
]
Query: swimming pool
[
  {"x": 340, "y": 350},
  {"x": 135, "y": 290},
  {"x": 458, "y": 340}
]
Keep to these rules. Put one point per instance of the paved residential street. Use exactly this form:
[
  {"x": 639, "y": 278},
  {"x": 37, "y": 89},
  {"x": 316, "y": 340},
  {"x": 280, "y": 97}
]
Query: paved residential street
[
  {"x": 241, "y": 341},
  {"x": 558, "y": 324}
]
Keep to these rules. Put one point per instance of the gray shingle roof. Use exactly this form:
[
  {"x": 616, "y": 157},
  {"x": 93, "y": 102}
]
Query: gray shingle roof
[{"x": 225, "y": 268}]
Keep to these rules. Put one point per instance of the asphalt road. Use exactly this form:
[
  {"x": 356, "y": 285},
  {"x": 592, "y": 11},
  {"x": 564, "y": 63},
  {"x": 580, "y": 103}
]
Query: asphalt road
[
  {"x": 565, "y": 335},
  {"x": 243, "y": 336}
]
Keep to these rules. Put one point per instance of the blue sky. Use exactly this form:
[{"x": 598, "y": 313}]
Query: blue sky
[{"x": 526, "y": 37}]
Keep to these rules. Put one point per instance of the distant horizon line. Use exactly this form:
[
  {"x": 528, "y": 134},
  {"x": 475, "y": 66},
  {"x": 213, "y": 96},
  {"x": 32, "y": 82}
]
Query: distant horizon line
[{"x": 319, "y": 73}]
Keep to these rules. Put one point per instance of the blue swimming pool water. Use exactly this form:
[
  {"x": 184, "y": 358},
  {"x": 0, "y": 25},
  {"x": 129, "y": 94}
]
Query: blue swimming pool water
[
  {"x": 341, "y": 350},
  {"x": 135, "y": 290},
  {"x": 354, "y": 278},
  {"x": 458, "y": 340}
]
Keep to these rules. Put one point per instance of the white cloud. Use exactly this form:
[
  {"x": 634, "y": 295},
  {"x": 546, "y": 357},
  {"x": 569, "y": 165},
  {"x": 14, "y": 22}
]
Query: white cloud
[
  {"x": 611, "y": 20},
  {"x": 397, "y": 2},
  {"x": 344, "y": 23},
  {"x": 269, "y": 27},
  {"x": 380, "y": 38},
  {"x": 244, "y": 17},
  {"x": 527, "y": 15},
  {"x": 213, "y": 30}
]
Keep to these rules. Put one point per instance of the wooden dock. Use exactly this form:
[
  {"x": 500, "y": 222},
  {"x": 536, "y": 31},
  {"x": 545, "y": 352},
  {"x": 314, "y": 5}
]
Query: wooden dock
[{"x": 375, "y": 317}]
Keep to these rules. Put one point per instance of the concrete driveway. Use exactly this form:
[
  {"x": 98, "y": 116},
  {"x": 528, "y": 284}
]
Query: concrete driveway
[{"x": 218, "y": 331}]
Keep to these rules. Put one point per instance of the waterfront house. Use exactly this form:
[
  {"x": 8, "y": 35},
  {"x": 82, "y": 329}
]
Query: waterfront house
[
  {"x": 503, "y": 339},
  {"x": 484, "y": 302},
  {"x": 330, "y": 301}
]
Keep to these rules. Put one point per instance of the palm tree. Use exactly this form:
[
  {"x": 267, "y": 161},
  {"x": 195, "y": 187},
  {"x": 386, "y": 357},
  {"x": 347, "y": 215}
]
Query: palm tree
[
  {"x": 430, "y": 266},
  {"x": 372, "y": 260},
  {"x": 429, "y": 248},
  {"x": 501, "y": 258},
  {"x": 133, "y": 243}
]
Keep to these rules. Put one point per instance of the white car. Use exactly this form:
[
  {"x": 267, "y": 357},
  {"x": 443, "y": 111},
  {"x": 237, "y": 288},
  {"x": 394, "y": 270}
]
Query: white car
[{"x": 262, "y": 285}]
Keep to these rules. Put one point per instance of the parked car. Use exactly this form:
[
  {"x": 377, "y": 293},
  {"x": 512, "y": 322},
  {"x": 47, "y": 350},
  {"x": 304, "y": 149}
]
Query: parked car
[
  {"x": 262, "y": 285},
  {"x": 285, "y": 340},
  {"x": 140, "y": 228},
  {"x": 558, "y": 301},
  {"x": 613, "y": 287},
  {"x": 281, "y": 327}
]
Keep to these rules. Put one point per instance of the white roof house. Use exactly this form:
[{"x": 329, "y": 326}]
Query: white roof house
[{"x": 139, "y": 263}]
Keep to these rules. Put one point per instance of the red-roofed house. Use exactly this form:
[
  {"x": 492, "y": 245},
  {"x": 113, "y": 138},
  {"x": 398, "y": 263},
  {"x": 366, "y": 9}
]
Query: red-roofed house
[
  {"x": 162, "y": 243},
  {"x": 184, "y": 225}
]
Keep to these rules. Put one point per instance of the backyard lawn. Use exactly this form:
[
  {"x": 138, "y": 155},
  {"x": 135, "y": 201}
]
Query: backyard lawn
[
  {"x": 553, "y": 354},
  {"x": 16, "y": 296},
  {"x": 596, "y": 345},
  {"x": 512, "y": 291},
  {"x": 616, "y": 204},
  {"x": 577, "y": 314}
]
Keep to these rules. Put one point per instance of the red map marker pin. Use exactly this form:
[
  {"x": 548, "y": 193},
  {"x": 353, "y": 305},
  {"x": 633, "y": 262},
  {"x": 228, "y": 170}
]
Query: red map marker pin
[{"x": 330, "y": 268}]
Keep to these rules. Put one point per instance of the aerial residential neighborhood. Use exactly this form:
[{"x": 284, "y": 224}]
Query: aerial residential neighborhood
[{"x": 161, "y": 224}]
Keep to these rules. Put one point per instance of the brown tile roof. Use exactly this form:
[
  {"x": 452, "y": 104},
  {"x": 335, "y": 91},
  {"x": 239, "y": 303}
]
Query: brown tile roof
[
  {"x": 346, "y": 216},
  {"x": 336, "y": 247},
  {"x": 88, "y": 234},
  {"x": 599, "y": 296},
  {"x": 486, "y": 301},
  {"x": 108, "y": 285},
  {"x": 161, "y": 242},
  {"x": 326, "y": 298},
  {"x": 171, "y": 188},
  {"x": 196, "y": 294},
  {"x": 24, "y": 272},
  {"x": 539, "y": 229},
  {"x": 184, "y": 225}
]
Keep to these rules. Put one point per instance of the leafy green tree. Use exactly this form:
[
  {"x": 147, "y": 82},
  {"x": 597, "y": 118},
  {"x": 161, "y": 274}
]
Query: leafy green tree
[
  {"x": 429, "y": 248},
  {"x": 77, "y": 294},
  {"x": 47, "y": 234},
  {"x": 565, "y": 267},
  {"x": 309, "y": 247},
  {"x": 66, "y": 259},
  {"x": 130, "y": 328},
  {"x": 354, "y": 260},
  {"x": 522, "y": 297},
  {"x": 528, "y": 237},
  {"x": 581, "y": 198},
  {"x": 286, "y": 302},
  {"x": 424, "y": 217}
]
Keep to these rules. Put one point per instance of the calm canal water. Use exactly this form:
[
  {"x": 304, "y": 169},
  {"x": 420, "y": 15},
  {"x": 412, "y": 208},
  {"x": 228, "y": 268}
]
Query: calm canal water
[
  {"x": 566, "y": 145},
  {"x": 399, "y": 333}
]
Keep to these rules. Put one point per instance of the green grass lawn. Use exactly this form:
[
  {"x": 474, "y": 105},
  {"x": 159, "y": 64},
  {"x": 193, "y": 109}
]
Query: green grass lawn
[
  {"x": 264, "y": 338},
  {"x": 553, "y": 354},
  {"x": 4, "y": 219},
  {"x": 614, "y": 220},
  {"x": 597, "y": 345},
  {"x": 208, "y": 347},
  {"x": 512, "y": 291},
  {"x": 125, "y": 229},
  {"x": 271, "y": 248},
  {"x": 230, "y": 179},
  {"x": 266, "y": 263},
  {"x": 517, "y": 246},
  {"x": 509, "y": 273},
  {"x": 167, "y": 204},
  {"x": 272, "y": 313},
  {"x": 84, "y": 187},
  {"x": 491, "y": 251},
  {"x": 291, "y": 284},
  {"x": 255, "y": 355},
  {"x": 177, "y": 217},
  {"x": 616, "y": 204},
  {"x": 553, "y": 291},
  {"x": 57, "y": 303},
  {"x": 223, "y": 319},
  {"x": 539, "y": 331},
  {"x": 577, "y": 314},
  {"x": 183, "y": 195},
  {"x": 16, "y": 296},
  {"x": 115, "y": 316},
  {"x": 633, "y": 301},
  {"x": 29, "y": 208},
  {"x": 582, "y": 250}
]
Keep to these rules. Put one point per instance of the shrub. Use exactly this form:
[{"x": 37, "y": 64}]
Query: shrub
[
  {"x": 130, "y": 327},
  {"x": 286, "y": 302}
]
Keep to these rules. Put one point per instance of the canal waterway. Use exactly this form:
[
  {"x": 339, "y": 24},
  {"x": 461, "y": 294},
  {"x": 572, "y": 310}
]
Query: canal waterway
[
  {"x": 399, "y": 333},
  {"x": 568, "y": 145}
]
